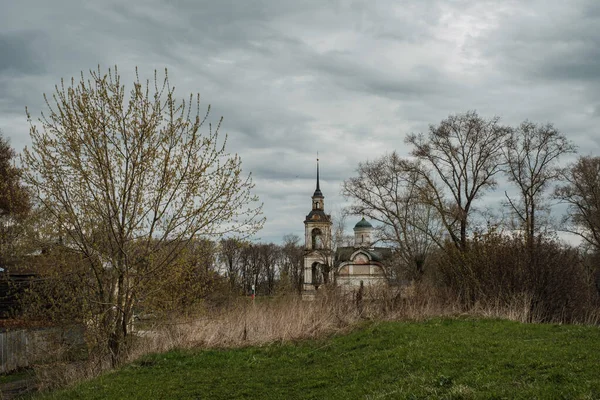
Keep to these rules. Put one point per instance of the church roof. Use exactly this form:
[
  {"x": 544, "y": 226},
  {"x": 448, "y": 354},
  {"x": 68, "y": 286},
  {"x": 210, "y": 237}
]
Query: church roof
[
  {"x": 363, "y": 223},
  {"x": 317, "y": 215},
  {"x": 379, "y": 254}
]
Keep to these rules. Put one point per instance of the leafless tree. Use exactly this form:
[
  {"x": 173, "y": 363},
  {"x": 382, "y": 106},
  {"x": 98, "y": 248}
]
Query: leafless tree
[
  {"x": 246, "y": 268},
  {"x": 339, "y": 218},
  {"x": 230, "y": 254},
  {"x": 532, "y": 154},
  {"x": 292, "y": 261},
  {"x": 581, "y": 192},
  {"x": 130, "y": 180},
  {"x": 270, "y": 255},
  {"x": 252, "y": 267},
  {"x": 387, "y": 190},
  {"x": 458, "y": 161}
]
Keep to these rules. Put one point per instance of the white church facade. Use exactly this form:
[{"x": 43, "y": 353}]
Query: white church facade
[{"x": 348, "y": 268}]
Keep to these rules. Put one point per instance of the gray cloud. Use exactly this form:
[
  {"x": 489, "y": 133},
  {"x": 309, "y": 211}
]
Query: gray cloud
[
  {"x": 342, "y": 78},
  {"x": 18, "y": 56},
  {"x": 550, "y": 41}
]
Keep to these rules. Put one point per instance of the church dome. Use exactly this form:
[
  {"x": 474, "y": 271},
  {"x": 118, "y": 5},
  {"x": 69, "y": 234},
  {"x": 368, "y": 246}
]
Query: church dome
[{"x": 363, "y": 223}]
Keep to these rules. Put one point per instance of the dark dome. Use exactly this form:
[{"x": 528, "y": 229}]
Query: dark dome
[{"x": 363, "y": 223}]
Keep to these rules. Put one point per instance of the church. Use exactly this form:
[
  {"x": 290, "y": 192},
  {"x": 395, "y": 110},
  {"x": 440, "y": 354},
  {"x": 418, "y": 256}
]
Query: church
[{"x": 348, "y": 268}]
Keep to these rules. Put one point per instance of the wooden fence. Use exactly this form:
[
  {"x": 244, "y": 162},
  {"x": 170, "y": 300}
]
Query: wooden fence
[{"x": 25, "y": 347}]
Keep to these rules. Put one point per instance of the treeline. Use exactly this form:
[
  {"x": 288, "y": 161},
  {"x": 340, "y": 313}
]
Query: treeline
[
  {"x": 268, "y": 267},
  {"x": 438, "y": 209}
]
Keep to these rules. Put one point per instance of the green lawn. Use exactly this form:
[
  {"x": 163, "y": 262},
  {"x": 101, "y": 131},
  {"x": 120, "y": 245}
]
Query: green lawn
[{"x": 446, "y": 359}]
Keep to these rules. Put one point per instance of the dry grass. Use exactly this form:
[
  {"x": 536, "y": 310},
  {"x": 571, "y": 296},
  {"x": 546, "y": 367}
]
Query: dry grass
[
  {"x": 247, "y": 323},
  {"x": 289, "y": 318}
]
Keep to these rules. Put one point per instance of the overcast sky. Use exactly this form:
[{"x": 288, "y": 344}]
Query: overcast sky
[{"x": 292, "y": 78}]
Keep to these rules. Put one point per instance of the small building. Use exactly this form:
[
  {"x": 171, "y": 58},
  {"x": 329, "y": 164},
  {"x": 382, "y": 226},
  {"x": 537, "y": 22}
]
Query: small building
[
  {"x": 361, "y": 264},
  {"x": 348, "y": 268}
]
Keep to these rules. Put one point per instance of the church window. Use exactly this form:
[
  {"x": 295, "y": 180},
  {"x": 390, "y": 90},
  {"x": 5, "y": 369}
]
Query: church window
[
  {"x": 316, "y": 274},
  {"x": 317, "y": 239}
]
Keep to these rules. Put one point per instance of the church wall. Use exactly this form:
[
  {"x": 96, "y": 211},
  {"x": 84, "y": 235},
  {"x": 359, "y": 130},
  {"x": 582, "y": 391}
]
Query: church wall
[
  {"x": 352, "y": 283},
  {"x": 360, "y": 269},
  {"x": 309, "y": 259},
  {"x": 350, "y": 276}
]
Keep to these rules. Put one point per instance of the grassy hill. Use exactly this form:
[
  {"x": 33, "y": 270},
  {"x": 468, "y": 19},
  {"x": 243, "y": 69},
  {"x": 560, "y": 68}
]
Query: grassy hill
[{"x": 440, "y": 358}]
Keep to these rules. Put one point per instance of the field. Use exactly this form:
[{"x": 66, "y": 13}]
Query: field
[{"x": 437, "y": 358}]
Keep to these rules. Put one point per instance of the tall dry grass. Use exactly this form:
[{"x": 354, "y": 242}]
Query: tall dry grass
[{"x": 243, "y": 322}]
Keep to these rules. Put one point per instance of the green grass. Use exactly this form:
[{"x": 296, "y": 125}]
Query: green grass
[{"x": 445, "y": 359}]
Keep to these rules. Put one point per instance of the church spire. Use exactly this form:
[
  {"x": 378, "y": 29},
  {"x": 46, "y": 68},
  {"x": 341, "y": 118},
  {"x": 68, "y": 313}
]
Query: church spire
[
  {"x": 318, "y": 192},
  {"x": 319, "y": 189}
]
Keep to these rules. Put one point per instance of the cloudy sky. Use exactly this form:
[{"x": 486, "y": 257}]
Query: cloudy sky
[{"x": 346, "y": 79}]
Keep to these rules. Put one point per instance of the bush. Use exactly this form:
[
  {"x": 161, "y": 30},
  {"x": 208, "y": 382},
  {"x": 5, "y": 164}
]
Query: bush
[{"x": 497, "y": 269}]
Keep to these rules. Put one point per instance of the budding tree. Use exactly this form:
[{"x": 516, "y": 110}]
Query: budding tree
[
  {"x": 130, "y": 180},
  {"x": 14, "y": 201}
]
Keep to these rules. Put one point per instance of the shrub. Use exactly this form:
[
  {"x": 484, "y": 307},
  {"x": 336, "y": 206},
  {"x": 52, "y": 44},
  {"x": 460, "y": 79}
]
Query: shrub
[{"x": 497, "y": 269}]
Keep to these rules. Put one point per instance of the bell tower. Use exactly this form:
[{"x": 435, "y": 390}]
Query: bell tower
[{"x": 318, "y": 268}]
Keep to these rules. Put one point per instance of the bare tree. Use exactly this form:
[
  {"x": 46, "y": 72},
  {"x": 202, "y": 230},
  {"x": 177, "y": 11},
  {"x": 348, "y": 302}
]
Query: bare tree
[
  {"x": 130, "y": 181},
  {"x": 532, "y": 155},
  {"x": 230, "y": 254},
  {"x": 292, "y": 261},
  {"x": 270, "y": 257},
  {"x": 339, "y": 217},
  {"x": 458, "y": 161},
  {"x": 581, "y": 192},
  {"x": 387, "y": 190},
  {"x": 246, "y": 273},
  {"x": 252, "y": 267}
]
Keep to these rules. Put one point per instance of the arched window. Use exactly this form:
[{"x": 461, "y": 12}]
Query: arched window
[
  {"x": 317, "y": 238},
  {"x": 316, "y": 274}
]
